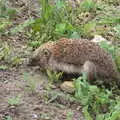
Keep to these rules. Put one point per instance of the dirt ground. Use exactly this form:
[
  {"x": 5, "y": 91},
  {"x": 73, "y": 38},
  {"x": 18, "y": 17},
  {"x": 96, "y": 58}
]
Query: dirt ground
[
  {"x": 35, "y": 102},
  {"x": 33, "y": 105}
]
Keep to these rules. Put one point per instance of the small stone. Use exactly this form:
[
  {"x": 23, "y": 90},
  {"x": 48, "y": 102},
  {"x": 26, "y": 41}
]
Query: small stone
[
  {"x": 34, "y": 116},
  {"x": 98, "y": 39},
  {"x": 68, "y": 87}
]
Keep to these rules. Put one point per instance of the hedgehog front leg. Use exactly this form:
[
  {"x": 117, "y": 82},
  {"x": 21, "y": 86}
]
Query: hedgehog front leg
[{"x": 89, "y": 69}]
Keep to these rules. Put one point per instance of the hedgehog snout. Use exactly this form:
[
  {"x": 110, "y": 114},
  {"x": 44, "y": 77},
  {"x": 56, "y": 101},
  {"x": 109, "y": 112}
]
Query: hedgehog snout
[{"x": 32, "y": 62}]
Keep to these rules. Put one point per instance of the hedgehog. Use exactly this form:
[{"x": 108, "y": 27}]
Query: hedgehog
[{"x": 76, "y": 57}]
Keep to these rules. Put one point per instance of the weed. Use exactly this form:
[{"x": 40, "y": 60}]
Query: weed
[
  {"x": 5, "y": 51},
  {"x": 30, "y": 83},
  {"x": 112, "y": 2},
  {"x": 15, "y": 61},
  {"x": 6, "y": 14},
  {"x": 14, "y": 100},
  {"x": 54, "y": 76},
  {"x": 113, "y": 50},
  {"x": 8, "y": 118},
  {"x": 34, "y": 44},
  {"x": 4, "y": 24},
  {"x": 20, "y": 27},
  {"x": 55, "y": 22},
  {"x": 108, "y": 47},
  {"x": 3, "y": 67},
  {"x": 53, "y": 95},
  {"x": 69, "y": 116},
  {"x": 87, "y": 5},
  {"x": 5, "y": 11},
  {"x": 88, "y": 29},
  {"x": 8, "y": 56},
  {"x": 97, "y": 102}
]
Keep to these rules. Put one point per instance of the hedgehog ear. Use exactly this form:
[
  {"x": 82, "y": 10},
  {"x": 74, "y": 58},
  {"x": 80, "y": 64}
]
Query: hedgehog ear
[{"x": 46, "y": 52}]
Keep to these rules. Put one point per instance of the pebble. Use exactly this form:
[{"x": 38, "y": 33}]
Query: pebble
[{"x": 68, "y": 87}]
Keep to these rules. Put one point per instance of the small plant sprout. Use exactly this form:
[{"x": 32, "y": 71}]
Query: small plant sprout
[
  {"x": 14, "y": 100},
  {"x": 30, "y": 83},
  {"x": 54, "y": 76},
  {"x": 8, "y": 118},
  {"x": 70, "y": 115}
]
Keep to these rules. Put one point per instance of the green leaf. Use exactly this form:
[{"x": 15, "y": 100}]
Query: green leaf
[
  {"x": 8, "y": 118},
  {"x": 86, "y": 113},
  {"x": 49, "y": 75},
  {"x": 20, "y": 27},
  {"x": 75, "y": 35},
  {"x": 4, "y": 24},
  {"x": 3, "y": 67},
  {"x": 60, "y": 4},
  {"x": 115, "y": 115},
  {"x": 34, "y": 44},
  {"x": 14, "y": 100},
  {"x": 88, "y": 28},
  {"x": 69, "y": 27},
  {"x": 60, "y": 28},
  {"x": 87, "y": 5},
  {"x": 100, "y": 117}
]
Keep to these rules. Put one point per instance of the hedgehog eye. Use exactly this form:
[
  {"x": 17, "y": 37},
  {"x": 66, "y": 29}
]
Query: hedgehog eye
[{"x": 46, "y": 51}]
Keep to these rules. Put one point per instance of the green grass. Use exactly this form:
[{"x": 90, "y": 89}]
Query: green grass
[
  {"x": 98, "y": 103},
  {"x": 86, "y": 20},
  {"x": 3, "y": 67},
  {"x": 61, "y": 20},
  {"x": 53, "y": 76},
  {"x": 7, "y": 55},
  {"x": 6, "y": 15}
]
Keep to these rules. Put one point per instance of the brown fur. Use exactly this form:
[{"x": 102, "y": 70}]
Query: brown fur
[{"x": 76, "y": 56}]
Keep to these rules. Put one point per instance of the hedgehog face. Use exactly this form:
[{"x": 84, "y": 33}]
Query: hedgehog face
[{"x": 40, "y": 58}]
